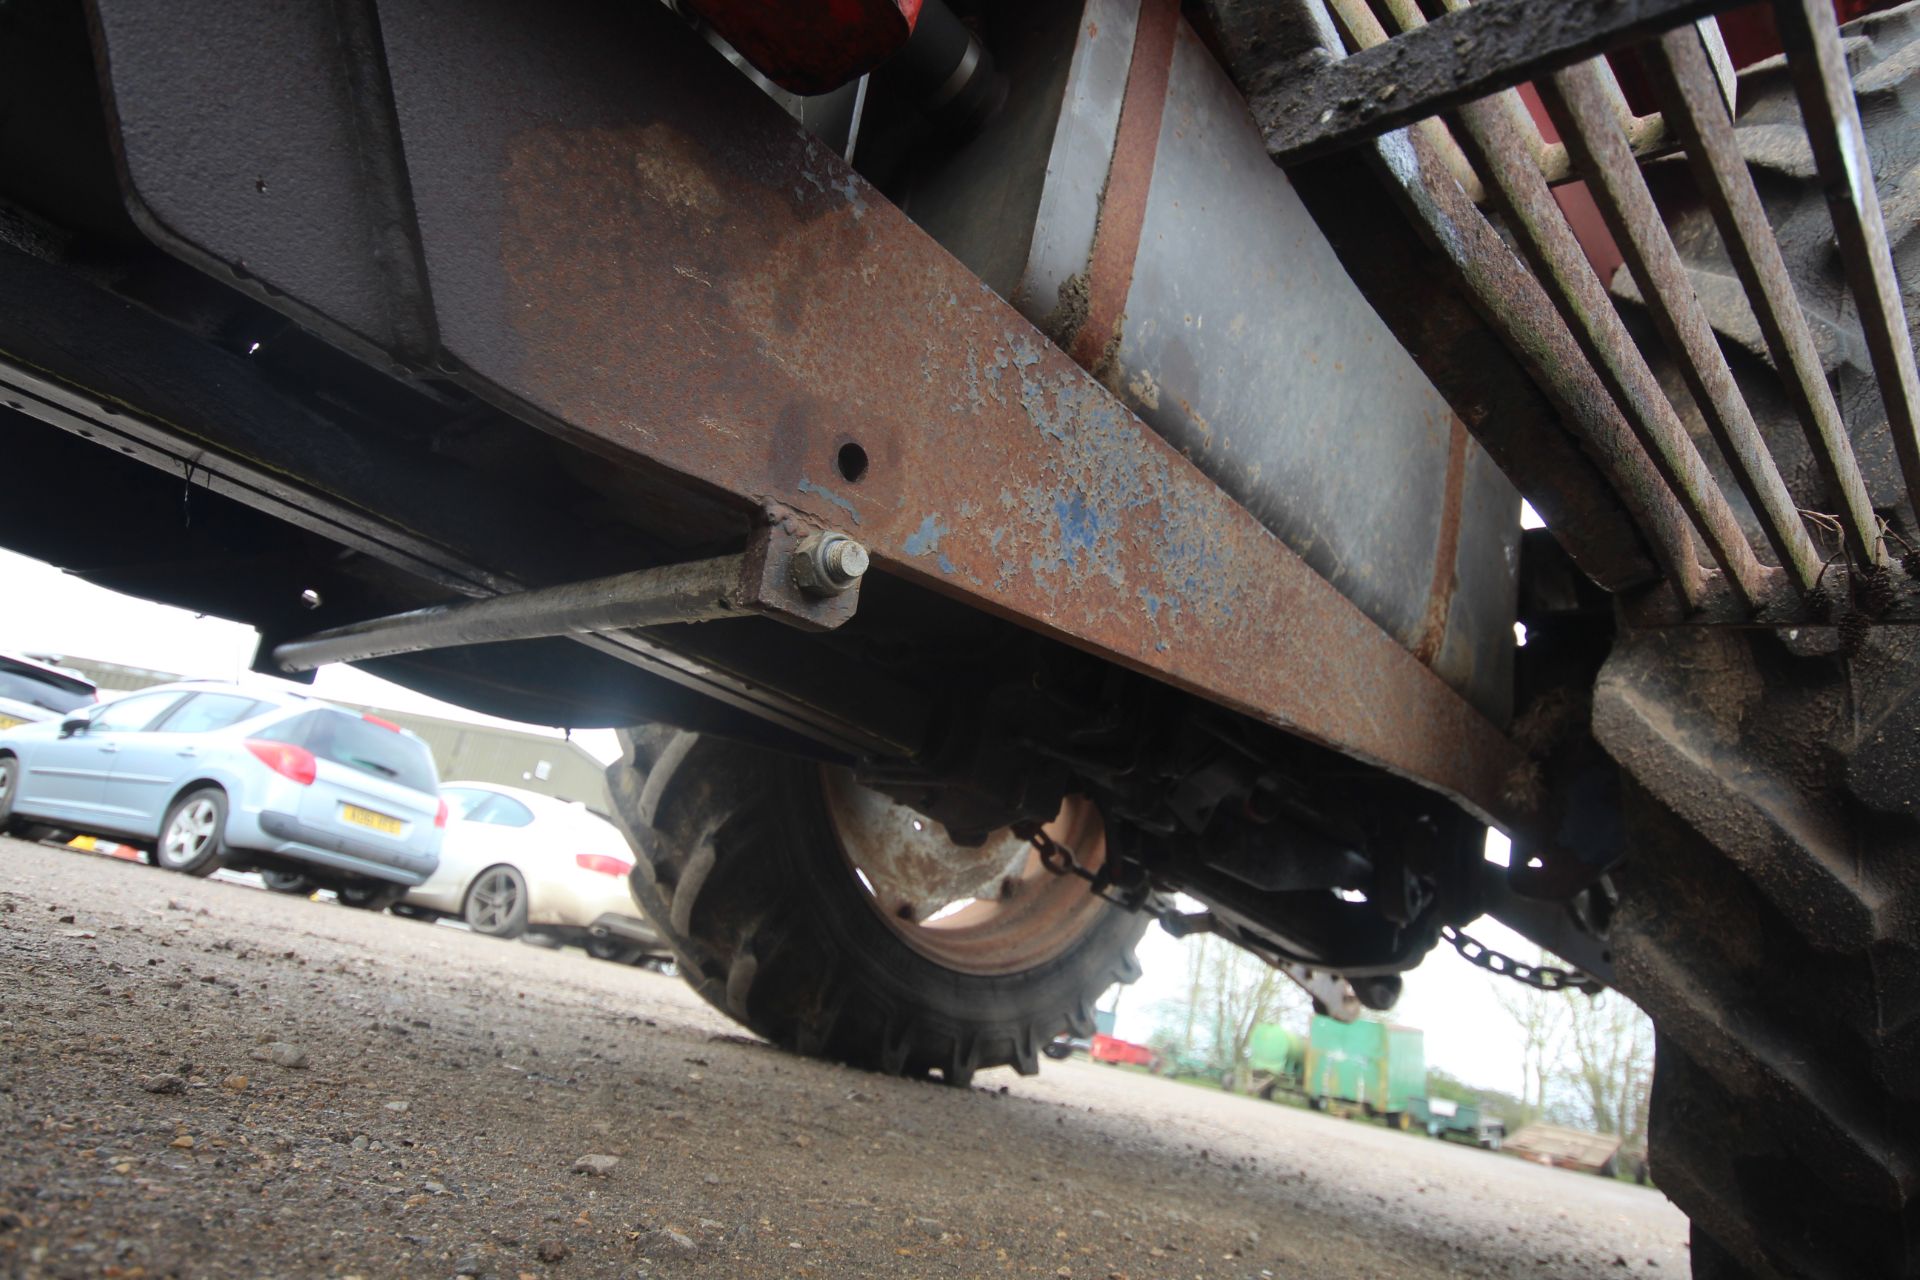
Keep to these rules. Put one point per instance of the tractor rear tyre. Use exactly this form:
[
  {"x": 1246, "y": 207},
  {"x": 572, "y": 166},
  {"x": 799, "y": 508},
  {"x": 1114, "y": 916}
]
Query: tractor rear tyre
[
  {"x": 833, "y": 922},
  {"x": 1769, "y": 915}
]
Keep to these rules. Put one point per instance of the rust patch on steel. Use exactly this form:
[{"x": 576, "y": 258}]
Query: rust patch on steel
[
  {"x": 692, "y": 281},
  {"x": 1123, "y": 202},
  {"x": 1446, "y": 550}
]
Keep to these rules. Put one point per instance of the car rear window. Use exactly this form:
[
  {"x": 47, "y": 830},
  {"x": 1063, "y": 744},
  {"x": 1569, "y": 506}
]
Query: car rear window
[
  {"x": 489, "y": 808},
  {"x": 361, "y": 745},
  {"x": 46, "y": 689}
]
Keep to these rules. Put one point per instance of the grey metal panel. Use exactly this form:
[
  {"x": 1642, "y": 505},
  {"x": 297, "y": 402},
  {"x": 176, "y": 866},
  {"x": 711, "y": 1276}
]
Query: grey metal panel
[
  {"x": 1077, "y": 165},
  {"x": 1476, "y": 654},
  {"x": 1248, "y": 347}
]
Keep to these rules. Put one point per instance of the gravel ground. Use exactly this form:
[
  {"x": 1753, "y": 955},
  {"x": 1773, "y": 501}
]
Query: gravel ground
[{"x": 204, "y": 1079}]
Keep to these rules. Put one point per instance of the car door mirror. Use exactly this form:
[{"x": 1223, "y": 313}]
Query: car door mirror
[{"x": 74, "y": 724}]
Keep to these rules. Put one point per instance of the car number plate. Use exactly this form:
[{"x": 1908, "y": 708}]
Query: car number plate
[{"x": 368, "y": 818}]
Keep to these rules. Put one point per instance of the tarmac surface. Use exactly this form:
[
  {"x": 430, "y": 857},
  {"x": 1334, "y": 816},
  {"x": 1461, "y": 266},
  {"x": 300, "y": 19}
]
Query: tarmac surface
[{"x": 201, "y": 1078}]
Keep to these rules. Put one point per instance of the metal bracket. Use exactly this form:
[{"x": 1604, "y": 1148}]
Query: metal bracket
[
  {"x": 775, "y": 577},
  {"x": 1547, "y": 923}
]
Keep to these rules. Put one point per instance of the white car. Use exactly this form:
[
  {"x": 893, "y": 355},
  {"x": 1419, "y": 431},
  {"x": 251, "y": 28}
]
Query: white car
[
  {"x": 32, "y": 691},
  {"x": 515, "y": 861}
]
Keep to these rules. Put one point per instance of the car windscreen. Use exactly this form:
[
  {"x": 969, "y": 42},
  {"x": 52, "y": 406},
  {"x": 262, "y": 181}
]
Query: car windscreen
[
  {"x": 45, "y": 689},
  {"x": 361, "y": 745}
]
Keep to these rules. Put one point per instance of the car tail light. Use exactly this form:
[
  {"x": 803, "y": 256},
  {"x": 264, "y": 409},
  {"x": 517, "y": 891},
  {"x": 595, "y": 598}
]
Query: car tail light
[
  {"x": 605, "y": 863},
  {"x": 285, "y": 759},
  {"x": 371, "y": 718},
  {"x": 440, "y": 816}
]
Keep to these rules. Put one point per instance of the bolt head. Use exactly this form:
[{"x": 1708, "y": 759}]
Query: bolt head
[{"x": 847, "y": 559}]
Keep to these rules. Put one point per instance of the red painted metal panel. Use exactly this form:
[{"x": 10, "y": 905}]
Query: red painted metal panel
[{"x": 812, "y": 46}]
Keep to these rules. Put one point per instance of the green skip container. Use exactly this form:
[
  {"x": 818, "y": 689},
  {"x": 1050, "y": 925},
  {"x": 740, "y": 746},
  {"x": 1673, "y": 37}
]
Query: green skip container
[{"x": 1376, "y": 1066}]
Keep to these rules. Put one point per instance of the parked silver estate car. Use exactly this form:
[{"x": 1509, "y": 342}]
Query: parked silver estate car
[{"x": 213, "y": 774}]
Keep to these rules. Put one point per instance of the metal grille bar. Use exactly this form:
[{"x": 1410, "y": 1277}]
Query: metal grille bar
[
  {"x": 1638, "y": 436},
  {"x": 1581, "y": 108},
  {"x": 1495, "y": 138},
  {"x": 1819, "y": 67},
  {"x": 1690, "y": 96},
  {"x": 1527, "y": 320}
]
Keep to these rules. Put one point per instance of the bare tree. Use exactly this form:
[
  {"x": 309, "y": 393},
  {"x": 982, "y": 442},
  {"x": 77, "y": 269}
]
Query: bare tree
[
  {"x": 1609, "y": 1061},
  {"x": 1541, "y": 1017},
  {"x": 1588, "y": 1059},
  {"x": 1245, "y": 992},
  {"x": 1230, "y": 993}
]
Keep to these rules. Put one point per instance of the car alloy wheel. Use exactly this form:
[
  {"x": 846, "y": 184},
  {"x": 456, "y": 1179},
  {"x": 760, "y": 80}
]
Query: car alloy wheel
[
  {"x": 497, "y": 903},
  {"x": 191, "y": 831}
]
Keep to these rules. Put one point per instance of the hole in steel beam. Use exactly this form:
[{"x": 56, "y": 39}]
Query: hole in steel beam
[{"x": 852, "y": 461}]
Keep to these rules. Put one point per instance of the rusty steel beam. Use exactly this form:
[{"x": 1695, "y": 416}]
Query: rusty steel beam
[
  {"x": 1460, "y": 56},
  {"x": 1494, "y": 135},
  {"x": 1583, "y": 111},
  {"x": 1825, "y": 89},
  {"x": 646, "y": 254},
  {"x": 1684, "y": 77}
]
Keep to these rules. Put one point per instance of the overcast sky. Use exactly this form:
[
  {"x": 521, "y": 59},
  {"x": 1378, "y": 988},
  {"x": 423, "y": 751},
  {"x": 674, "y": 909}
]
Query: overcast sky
[{"x": 45, "y": 611}]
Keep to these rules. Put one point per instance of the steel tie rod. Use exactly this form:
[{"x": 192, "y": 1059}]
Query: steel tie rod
[
  {"x": 1684, "y": 79},
  {"x": 1819, "y": 69},
  {"x": 810, "y": 582},
  {"x": 1582, "y": 109}
]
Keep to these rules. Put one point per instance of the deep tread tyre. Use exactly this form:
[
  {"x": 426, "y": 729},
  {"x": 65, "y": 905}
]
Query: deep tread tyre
[
  {"x": 193, "y": 834},
  {"x": 1769, "y": 916},
  {"x": 739, "y": 867}
]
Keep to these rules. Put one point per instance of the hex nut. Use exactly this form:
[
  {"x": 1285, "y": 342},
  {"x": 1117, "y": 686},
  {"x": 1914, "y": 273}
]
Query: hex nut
[{"x": 826, "y": 564}]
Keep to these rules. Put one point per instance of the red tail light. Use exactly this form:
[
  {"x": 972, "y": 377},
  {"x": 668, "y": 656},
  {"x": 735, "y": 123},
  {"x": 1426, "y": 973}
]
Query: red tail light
[
  {"x": 440, "y": 818},
  {"x": 285, "y": 759},
  {"x": 606, "y": 864},
  {"x": 371, "y": 718}
]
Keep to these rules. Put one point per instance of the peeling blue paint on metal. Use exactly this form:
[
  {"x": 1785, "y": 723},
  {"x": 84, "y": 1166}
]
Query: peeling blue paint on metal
[
  {"x": 926, "y": 540},
  {"x": 819, "y": 490}
]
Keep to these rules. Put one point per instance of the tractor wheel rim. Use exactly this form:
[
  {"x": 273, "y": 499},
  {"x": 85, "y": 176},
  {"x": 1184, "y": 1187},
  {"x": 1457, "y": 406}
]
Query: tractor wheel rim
[{"x": 991, "y": 910}]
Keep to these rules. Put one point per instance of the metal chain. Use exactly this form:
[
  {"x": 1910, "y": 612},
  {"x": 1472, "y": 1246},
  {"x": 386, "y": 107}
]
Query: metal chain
[
  {"x": 1059, "y": 859},
  {"x": 1538, "y": 976}
]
